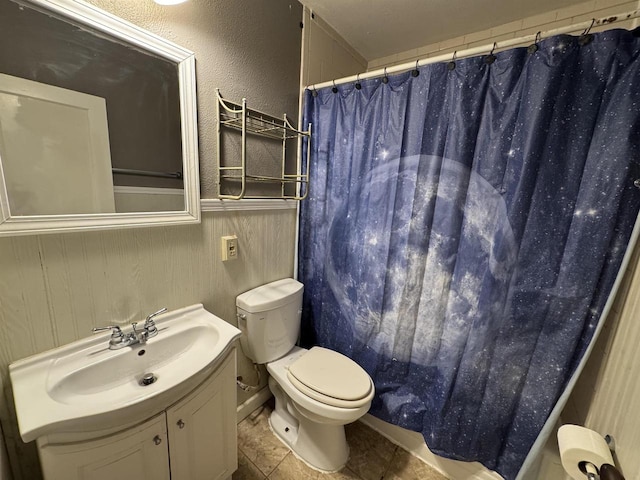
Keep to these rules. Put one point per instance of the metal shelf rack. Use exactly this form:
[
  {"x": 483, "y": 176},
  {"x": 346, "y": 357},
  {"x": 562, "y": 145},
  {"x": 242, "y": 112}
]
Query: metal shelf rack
[{"x": 236, "y": 116}]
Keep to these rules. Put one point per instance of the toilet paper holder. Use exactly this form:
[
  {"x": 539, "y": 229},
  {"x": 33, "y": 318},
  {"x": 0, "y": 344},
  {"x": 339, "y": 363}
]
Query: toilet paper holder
[
  {"x": 609, "y": 472},
  {"x": 605, "y": 472},
  {"x": 587, "y": 454},
  {"x": 611, "y": 443}
]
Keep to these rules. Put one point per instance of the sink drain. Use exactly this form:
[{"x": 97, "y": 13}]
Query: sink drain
[{"x": 148, "y": 379}]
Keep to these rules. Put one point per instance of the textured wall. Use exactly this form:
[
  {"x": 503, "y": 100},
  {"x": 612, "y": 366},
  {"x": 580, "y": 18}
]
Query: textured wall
[
  {"x": 55, "y": 288},
  {"x": 247, "y": 48}
]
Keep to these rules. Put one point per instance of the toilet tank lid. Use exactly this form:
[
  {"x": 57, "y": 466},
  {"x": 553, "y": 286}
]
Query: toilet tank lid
[{"x": 269, "y": 296}]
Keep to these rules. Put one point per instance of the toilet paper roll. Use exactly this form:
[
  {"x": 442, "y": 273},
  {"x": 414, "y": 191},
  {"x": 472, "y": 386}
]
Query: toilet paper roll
[{"x": 579, "y": 445}]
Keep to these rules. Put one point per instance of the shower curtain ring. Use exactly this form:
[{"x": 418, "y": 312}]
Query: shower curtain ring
[
  {"x": 588, "y": 29},
  {"x": 358, "y": 85},
  {"x": 314, "y": 92},
  {"x": 452, "y": 64},
  {"x": 385, "y": 79},
  {"x": 334, "y": 89},
  {"x": 533, "y": 48},
  {"x": 586, "y": 37},
  {"x": 489, "y": 59},
  {"x": 415, "y": 72}
]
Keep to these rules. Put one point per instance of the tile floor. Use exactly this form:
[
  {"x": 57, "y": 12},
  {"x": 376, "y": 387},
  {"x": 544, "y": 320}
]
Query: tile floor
[{"x": 262, "y": 456}]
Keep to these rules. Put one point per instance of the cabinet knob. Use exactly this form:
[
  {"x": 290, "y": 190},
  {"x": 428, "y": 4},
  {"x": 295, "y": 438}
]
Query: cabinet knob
[
  {"x": 180, "y": 423},
  {"x": 157, "y": 440}
]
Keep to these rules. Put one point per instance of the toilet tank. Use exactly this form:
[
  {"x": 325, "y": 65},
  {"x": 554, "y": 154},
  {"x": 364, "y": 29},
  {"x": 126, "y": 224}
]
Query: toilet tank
[{"x": 269, "y": 317}]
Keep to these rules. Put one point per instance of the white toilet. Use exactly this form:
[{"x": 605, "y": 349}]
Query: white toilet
[{"x": 317, "y": 391}]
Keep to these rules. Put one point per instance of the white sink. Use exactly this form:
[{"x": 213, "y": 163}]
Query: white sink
[{"x": 85, "y": 386}]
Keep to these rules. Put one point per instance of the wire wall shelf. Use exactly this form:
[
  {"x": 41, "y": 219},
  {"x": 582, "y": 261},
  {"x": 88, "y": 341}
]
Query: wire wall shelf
[{"x": 246, "y": 121}]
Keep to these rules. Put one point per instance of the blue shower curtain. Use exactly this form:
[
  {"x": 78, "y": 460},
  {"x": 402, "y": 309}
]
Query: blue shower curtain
[{"x": 464, "y": 229}]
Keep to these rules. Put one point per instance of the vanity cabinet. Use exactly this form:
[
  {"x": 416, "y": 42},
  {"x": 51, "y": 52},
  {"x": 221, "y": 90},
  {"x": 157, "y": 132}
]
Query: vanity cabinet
[
  {"x": 194, "y": 438},
  {"x": 203, "y": 431},
  {"x": 137, "y": 453}
]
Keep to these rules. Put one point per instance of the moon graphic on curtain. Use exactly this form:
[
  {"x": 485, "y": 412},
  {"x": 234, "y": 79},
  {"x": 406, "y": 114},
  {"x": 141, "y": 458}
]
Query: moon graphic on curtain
[{"x": 422, "y": 274}]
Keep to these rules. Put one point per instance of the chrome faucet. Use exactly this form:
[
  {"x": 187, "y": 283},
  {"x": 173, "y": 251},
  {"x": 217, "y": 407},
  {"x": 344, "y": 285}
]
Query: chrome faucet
[{"x": 119, "y": 339}]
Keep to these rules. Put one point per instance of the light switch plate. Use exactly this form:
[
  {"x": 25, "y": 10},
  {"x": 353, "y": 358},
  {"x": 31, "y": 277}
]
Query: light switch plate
[{"x": 229, "y": 247}]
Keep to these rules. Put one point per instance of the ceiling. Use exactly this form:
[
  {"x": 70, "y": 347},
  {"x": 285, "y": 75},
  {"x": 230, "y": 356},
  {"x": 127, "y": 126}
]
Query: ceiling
[{"x": 377, "y": 28}]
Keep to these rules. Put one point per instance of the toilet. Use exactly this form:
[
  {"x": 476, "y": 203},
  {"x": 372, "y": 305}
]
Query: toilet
[{"x": 317, "y": 391}]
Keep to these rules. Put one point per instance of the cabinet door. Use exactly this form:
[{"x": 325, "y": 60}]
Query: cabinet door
[
  {"x": 202, "y": 428},
  {"x": 139, "y": 453}
]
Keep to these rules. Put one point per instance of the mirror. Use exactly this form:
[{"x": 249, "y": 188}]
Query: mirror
[{"x": 97, "y": 122}]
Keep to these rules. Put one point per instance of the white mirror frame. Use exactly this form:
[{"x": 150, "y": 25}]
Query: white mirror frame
[{"x": 84, "y": 13}]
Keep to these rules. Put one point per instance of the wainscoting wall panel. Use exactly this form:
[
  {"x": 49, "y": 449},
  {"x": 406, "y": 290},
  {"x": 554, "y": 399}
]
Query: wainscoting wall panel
[{"x": 55, "y": 288}]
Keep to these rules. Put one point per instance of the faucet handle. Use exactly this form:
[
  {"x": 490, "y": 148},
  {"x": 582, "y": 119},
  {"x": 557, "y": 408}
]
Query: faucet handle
[
  {"x": 155, "y": 314},
  {"x": 115, "y": 330},
  {"x": 117, "y": 337},
  {"x": 150, "y": 325}
]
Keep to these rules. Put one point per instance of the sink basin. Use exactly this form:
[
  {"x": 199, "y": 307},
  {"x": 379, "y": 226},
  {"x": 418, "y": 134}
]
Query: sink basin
[{"x": 84, "y": 386}]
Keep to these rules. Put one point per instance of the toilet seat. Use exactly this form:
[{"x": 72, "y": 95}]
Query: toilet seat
[{"x": 331, "y": 378}]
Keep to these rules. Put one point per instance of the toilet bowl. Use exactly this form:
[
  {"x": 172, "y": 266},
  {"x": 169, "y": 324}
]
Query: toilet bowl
[
  {"x": 313, "y": 429},
  {"x": 317, "y": 391}
]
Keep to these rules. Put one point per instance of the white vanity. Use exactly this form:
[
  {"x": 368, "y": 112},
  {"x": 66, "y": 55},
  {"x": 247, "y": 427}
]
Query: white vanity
[{"x": 158, "y": 409}]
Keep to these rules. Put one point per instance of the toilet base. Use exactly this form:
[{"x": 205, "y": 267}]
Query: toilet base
[{"x": 321, "y": 446}]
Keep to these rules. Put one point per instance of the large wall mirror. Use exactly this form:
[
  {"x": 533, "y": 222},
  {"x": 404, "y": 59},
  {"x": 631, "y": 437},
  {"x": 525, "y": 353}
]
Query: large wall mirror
[{"x": 97, "y": 122}]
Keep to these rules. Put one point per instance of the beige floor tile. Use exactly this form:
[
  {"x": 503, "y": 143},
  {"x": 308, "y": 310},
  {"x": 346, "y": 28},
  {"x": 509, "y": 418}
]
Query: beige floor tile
[
  {"x": 407, "y": 467},
  {"x": 262, "y": 456},
  {"x": 292, "y": 468},
  {"x": 247, "y": 470},
  {"x": 370, "y": 453},
  {"x": 257, "y": 442}
]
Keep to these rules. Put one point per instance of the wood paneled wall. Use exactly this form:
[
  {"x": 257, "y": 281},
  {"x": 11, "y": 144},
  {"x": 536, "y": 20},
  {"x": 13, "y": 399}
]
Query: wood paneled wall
[
  {"x": 55, "y": 288},
  {"x": 326, "y": 55},
  {"x": 607, "y": 395}
]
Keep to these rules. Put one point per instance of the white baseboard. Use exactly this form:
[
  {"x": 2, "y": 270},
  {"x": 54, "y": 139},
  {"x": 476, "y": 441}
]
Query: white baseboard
[
  {"x": 258, "y": 398},
  {"x": 414, "y": 444}
]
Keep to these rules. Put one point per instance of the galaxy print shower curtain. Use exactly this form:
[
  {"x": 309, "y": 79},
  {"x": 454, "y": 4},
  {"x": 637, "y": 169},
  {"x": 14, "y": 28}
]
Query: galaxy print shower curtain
[{"x": 464, "y": 229}]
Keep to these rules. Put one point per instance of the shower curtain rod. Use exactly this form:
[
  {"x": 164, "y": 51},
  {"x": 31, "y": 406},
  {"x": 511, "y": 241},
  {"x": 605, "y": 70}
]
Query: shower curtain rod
[{"x": 489, "y": 47}]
